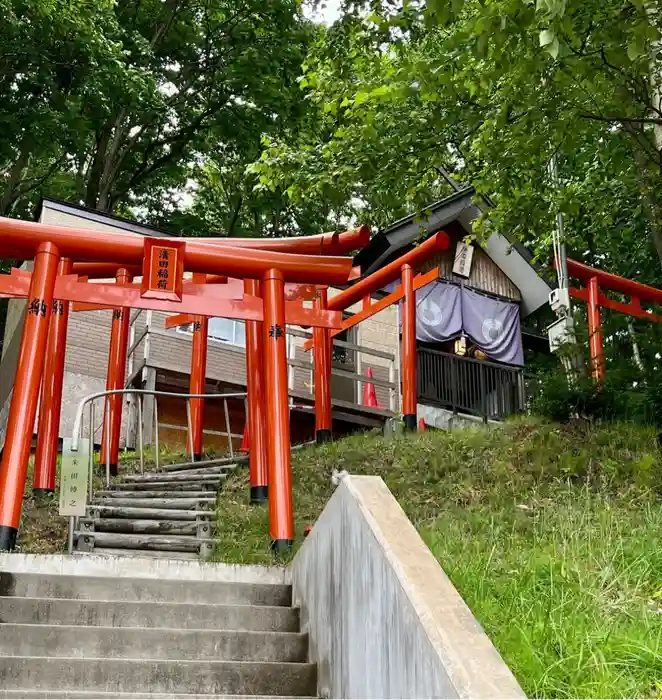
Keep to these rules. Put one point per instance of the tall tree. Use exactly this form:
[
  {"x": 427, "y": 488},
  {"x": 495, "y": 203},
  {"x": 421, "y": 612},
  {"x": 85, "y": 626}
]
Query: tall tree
[
  {"x": 492, "y": 89},
  {"x": 118, "y": 104},
  {"x": 55, "y": 57}
]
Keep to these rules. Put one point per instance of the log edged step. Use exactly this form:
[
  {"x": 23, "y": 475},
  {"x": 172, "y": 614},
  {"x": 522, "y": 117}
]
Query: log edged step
[
  {"x": 178, "y": 476},
  {"x": 169, "y": 503},
  {"x": 157, "y": 494},
  {"x": 147, "y": 513},
  {"x": 198, "y": 485},
  {"x": 167, "y": 543},
  {"x": 184, "y": 466},
  {"x": 147, "y": 527}
]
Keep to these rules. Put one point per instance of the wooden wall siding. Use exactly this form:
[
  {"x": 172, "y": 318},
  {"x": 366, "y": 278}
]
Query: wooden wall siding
[
  {"x": 171, "y": 412},
  {"x": 382, "y": 392},
  {"x": 485, "y": 275}
]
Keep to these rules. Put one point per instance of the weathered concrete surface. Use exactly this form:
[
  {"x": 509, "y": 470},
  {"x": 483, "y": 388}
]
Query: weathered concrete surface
[
  {"x": 383, "y": 618},
  {"x": 143, "y": 589},
  {"x": 97, "y": 695},
  {"x": 90, "y": 565},
  {"x": 55, "y": 611},
  {"x": 212, "y": 677},
  {"x": 447, "y": 420},
  {"x": 73, "y": 641}
]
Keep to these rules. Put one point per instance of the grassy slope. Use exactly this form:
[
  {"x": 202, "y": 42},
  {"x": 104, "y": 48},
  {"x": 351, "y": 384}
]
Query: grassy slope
[{"x": 551, "y": 535}]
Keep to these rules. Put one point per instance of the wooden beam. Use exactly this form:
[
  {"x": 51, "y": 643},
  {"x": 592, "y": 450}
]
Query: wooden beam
[{"x": 367, "y": 311}]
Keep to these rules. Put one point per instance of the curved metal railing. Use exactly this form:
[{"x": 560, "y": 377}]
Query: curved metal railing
[{"x": 78, "y": 423}]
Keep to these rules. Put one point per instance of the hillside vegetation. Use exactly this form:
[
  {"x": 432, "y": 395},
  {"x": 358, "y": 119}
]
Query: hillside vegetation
[{"x": 552, "y": 535}]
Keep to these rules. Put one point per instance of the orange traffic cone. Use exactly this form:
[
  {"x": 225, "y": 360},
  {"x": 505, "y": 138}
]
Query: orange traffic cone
[
  {"x": 421, "y": 425},
  {"x": 244, "y": 449},
  {"x": 369, "y": 393}
]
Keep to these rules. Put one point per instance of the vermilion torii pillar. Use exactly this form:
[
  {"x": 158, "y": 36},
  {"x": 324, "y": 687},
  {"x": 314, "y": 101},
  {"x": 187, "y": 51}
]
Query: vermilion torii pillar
[
  {"x": 409, "y": 393},
  {"x": 48, "y": 432},
  {"x": 281, "y": 519},
  {"x": 23, "y": 406},
  {"x": 256, "y": 390},
  {"x": 197, "y": 383},
  {"x": 115, "y": 377},
  {"x": 596, "y": 350},
  {"x": 322, "y": 344}
]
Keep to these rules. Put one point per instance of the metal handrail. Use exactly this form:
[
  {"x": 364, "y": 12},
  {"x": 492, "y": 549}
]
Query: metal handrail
[
  {"x": 152, "y": 392},
  {"x": 486, "y": 389},
  {"x": 140, "y": 392}
]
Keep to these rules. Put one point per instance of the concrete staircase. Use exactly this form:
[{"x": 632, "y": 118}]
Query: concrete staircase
[
  {"x": 79, "y": 636},
  {"x": 169, "y": 513}
]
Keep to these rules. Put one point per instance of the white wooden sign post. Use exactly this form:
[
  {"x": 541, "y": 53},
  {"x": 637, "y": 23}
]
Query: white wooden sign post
[{"x": 73, "y": 479}]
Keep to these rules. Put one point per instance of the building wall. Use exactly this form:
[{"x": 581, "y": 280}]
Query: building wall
[
  {"x": 485, "y": 275},
  {"x": 171, "y": 349}
]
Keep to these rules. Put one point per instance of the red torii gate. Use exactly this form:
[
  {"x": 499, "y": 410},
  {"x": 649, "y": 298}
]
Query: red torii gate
[
  {"x": 266, "y": 300},
  {"x": 163, "y": 288},
  {"x": 595, "y": 281}
]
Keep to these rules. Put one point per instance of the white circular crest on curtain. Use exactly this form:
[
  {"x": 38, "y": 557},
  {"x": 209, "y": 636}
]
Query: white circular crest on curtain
[
  {"x": 492, "y": 329},
  {"x": 430, "y": 312}
]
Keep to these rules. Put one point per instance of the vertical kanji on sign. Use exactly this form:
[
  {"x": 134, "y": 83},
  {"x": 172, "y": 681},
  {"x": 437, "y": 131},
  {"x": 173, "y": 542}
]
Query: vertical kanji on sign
[{"x": 163, "y": 269}]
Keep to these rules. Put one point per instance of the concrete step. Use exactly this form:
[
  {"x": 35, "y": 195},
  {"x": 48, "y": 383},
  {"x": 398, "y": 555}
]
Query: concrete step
[
  {"x": 110, "y": 675},
  {"x": 73, "y": 641},
  {"x": 173, "y": 493},
  {"x": 187, "y": 503},
  {"x": 144, "y": 589},
  {"x": 148, "y": 513},
  {"x": 189, "y": 474},
  {"x": 209, "y": 483},
  {"x": 59, "y": 611},
  {"x": 140, "y": 554},
  {"x": 167, "y": 543},
  {"x": 145, "y": 527},
  {"x": 41, "y": 694}
]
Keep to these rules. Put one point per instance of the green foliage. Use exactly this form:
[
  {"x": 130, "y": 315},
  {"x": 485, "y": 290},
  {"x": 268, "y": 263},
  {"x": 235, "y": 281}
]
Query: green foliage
[
  {"x": 549, "y": 532},
  {"x": 491, "y": 91},
  {"x": 128, "y": 105},
  {"x": 620, "y": 398}
]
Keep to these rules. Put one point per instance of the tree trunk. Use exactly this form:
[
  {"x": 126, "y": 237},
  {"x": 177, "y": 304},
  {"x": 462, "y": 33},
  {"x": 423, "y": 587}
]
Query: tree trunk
[
  {"x": 636, "y": 355},
  {"x": 15, "y": 174},
  {"x": 96, "y": 171},
  {"x": 656, "y": 104},
  {"x": 235, "y": 215}
]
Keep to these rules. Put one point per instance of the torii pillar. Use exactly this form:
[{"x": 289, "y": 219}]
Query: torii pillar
[
  {"x": 256, "y": 418},
  {"x": 281, "y": 518},
  {"x": 48, "y": 432},
  {"x": 116, "y": 375},
  {"x": 322, "y": 344},
  {"x": 23, "y": 406}
]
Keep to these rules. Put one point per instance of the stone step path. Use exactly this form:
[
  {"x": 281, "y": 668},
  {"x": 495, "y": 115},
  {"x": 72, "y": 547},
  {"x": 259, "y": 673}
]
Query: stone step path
[
  {"x": 98, "y": 636},
  {"x": 163, "y": 514}
]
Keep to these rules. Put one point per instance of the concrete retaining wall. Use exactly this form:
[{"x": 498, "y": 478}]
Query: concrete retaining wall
[{"x": 383, "y": 618}]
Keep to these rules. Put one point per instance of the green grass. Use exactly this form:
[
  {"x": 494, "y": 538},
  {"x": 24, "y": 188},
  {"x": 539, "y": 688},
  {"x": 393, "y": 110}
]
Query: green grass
[{"x": 551, "y": 534}]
